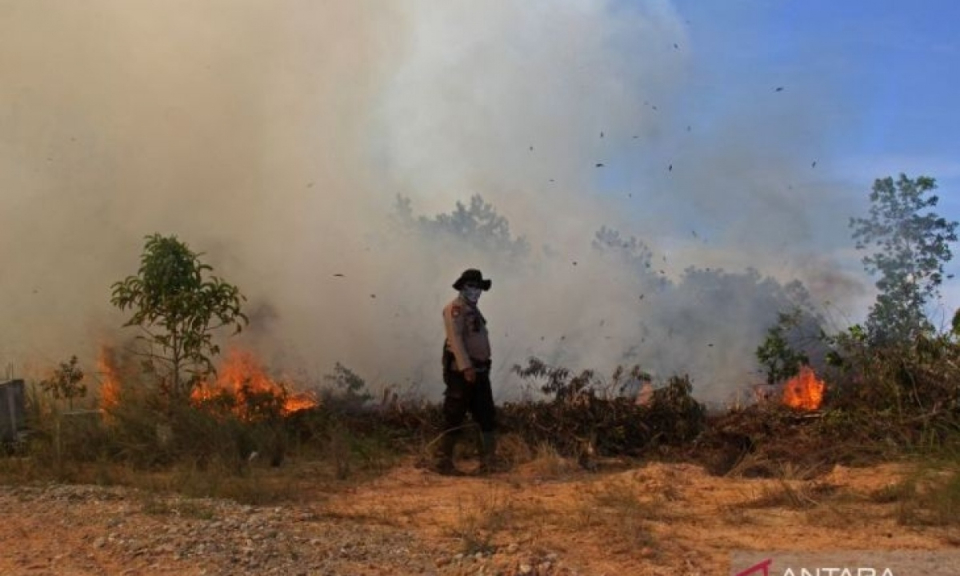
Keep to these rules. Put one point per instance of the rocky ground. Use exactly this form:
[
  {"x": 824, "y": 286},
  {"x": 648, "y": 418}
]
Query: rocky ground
[
  {"x": 87, "y": 530},
  {"x": 546, "y": 518}
]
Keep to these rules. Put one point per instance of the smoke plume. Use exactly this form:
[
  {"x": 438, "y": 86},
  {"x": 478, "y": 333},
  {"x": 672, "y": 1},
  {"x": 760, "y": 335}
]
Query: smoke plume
[{"x": 276, "y": 139}]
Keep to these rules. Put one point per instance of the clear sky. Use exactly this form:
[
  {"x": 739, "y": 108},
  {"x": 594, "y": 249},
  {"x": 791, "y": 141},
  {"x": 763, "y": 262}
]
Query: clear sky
[{"x": 898, "y": 62}]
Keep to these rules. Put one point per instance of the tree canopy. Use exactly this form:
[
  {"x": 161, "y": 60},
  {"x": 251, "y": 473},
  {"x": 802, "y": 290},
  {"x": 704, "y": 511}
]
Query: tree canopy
[
  {"x": 908, "y": 245},
  {"x": 178, "y": 305}
]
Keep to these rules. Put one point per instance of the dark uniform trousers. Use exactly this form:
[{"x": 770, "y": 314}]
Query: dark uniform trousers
[{"x": 462, "y": 397}]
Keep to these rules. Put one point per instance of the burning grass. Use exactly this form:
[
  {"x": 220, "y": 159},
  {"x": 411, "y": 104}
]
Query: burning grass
[
  {"x": 243, "y": 386},
  {"x": 593, "y": 473},
  {"x": 248, "y": 435}
]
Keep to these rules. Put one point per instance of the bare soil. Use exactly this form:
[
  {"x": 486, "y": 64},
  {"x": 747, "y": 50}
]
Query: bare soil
[{"x": 545, "y": 517}]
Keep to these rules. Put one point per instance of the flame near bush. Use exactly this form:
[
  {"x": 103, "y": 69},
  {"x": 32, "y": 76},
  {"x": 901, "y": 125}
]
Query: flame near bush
[
  {"x": 804, "y": 391},
  {"x": 242, "y": 383}
]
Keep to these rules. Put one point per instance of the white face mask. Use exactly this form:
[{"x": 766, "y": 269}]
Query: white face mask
[{"x": 471, "y": 294}]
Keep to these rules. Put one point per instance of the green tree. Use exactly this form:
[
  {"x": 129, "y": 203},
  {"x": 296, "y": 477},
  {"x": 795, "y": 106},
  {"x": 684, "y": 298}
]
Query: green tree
[
  {"x": 178, "y": 305},
  {"x": 910, "y": 245},
  {"x": 777, "y": 354},
  {"x": 66, "y": 382}
]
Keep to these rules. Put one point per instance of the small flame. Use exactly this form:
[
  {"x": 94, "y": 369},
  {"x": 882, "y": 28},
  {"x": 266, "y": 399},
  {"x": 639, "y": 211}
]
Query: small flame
[
  {"x": 241, "y": 376},
  {"x": 804, "y": 391},
  {"x": 109, "y": 380}
]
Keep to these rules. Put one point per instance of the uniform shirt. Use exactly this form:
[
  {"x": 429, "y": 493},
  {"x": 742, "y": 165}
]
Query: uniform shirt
[{"x": 466, "y": 330}]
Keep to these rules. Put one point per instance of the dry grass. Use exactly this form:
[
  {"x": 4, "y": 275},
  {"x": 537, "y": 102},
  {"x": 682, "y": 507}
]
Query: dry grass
[
  {"x": 888, "y": 494},
  {"x": 794, "y": 487},
  {"x": 930, "y": 496},
  {"x": 514, "y": 450},
  {"x": 791, "y": 495},
  {"x": 736, "y": 515},
  {"x": 548, "y": 463},
  {"x": 257, "y": 486},
  {"x": 481, "y": 522},
  {"x": 615, "y": 513},
  {"x": 927, "y": 495}
]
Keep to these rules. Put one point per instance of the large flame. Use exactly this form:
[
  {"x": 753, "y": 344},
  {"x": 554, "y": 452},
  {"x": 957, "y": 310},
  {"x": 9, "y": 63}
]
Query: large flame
[
  {"x": 241, "y": 376},
  {"x": 804, "y": 391}
]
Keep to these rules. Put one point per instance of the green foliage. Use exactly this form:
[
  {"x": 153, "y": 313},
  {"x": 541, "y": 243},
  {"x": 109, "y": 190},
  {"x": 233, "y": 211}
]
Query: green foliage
[
  {"x": 178, "y": 306},
  {"x": 910, "y": 246},
  {"x": 349, "y": 389},
  {"x": 565, "y": 386},
  {"x": 851, "y": 340},
  {"x": 676, "y": 411},
  {"x": 777, "y": 356},
  {"x": 557, "y": 381},
  {"x": 604, "y": 412},
  {"x": 914, "y": 386},
  {"x": 66, "y": 382},
  {"x": 226, "y": 432}
]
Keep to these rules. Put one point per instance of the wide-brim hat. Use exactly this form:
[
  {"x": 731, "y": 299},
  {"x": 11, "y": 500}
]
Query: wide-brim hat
[{"x": 472, "y": 275}]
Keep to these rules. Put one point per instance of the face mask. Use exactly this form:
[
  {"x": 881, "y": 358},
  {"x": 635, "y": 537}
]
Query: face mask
[{"x": 471, "y": 294}]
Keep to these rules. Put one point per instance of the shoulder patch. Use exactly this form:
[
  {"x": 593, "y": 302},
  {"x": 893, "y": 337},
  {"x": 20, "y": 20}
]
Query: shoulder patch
[{"x": 455, "y": 310}]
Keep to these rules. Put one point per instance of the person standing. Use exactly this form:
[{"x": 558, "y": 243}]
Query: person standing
[{"x": 466, "y": 372}]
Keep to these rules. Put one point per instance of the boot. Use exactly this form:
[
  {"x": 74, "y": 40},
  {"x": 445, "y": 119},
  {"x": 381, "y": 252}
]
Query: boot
[
  {"x": 444, "y": 463},
  {"x": 488, "y": 456}
]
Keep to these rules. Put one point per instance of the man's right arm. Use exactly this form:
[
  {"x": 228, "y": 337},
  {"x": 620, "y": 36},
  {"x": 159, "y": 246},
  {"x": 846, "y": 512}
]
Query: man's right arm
[{"x": 453, "y": 323}]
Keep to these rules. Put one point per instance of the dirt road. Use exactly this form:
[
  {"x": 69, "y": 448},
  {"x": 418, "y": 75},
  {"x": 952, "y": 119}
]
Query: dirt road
[{"x": 542, "y": 518}]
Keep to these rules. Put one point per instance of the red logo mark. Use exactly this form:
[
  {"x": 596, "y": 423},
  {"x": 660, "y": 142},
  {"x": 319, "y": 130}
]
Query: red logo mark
[{"x": 761, "y": 568}]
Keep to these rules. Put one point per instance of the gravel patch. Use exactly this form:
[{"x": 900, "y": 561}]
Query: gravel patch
[{"x": 74, "y": 530}]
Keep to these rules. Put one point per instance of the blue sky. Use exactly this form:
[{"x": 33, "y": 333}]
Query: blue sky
[
  {"x": 896, "y": 61},
  {"x": 883, "y": 77}
]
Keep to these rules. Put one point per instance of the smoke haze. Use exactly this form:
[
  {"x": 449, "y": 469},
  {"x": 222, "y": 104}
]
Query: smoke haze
[{"x": 276, "y": 137}]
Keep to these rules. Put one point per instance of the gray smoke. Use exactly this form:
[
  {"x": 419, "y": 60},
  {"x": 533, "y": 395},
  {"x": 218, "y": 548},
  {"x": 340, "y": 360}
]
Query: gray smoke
[{"x": 276, "y": 138}]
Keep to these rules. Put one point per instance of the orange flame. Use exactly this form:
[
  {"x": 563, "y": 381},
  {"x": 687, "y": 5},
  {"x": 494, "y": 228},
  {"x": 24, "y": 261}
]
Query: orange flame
[
  {"x": 241, "y": 376},
  {"x": 804, "y": 391},
  {"x": 110, "y": 382}
]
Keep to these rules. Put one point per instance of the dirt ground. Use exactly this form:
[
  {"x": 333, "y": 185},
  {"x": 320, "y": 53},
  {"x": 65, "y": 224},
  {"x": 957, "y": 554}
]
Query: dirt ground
[{"x": 545, "y": 517}]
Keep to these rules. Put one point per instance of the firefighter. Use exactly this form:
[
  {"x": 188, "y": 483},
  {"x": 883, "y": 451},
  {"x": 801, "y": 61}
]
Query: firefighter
[{"x": 466, "y": 372}]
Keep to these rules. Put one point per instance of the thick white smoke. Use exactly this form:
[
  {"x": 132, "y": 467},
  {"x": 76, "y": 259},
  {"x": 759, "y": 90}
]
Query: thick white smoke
[{"x": 275, "y": 138}]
